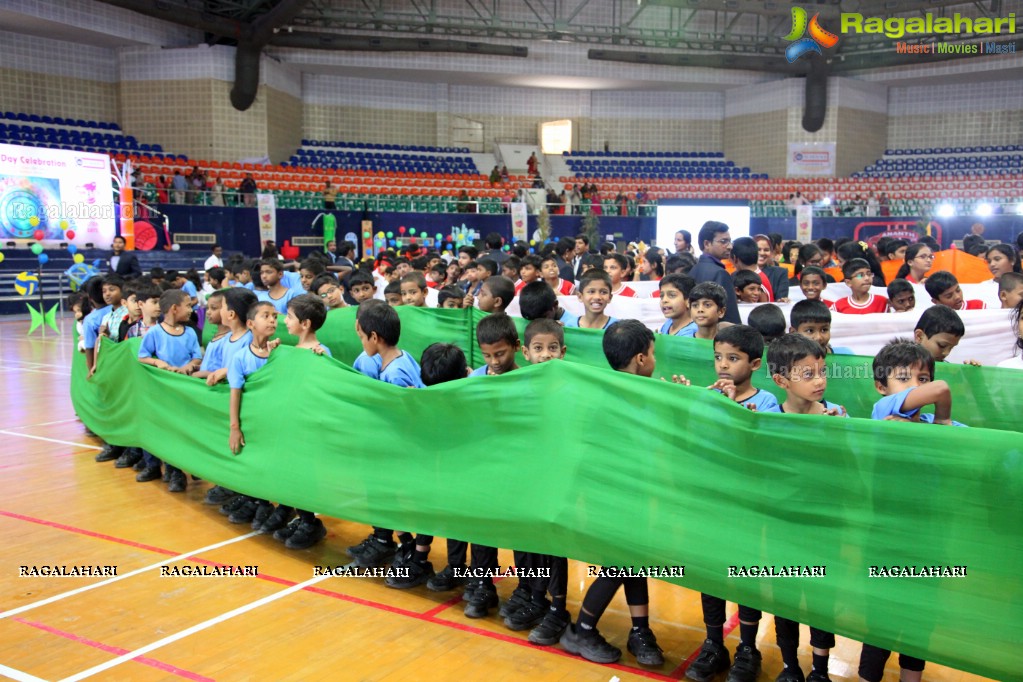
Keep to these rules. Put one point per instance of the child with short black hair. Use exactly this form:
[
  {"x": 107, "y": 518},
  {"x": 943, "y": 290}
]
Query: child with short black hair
[
  {"x": 529, "y": 271},
  {"x": 812, "y": 282},
  {"x": 859, "y": 278},
  {"x": 944, "y": 289},
  {"x": 413, "y": 290},
  {"x": 738, "y": 353},
  {"x": 113, "y": 296},
  {"x": 769, "y": 320},
  {"x": 147, "y": 297},
  {"x": 616, "y": 265},
  {"x": 330, "y": 291},
  {"x": 510, "y": 268},
  {"x": 538, "y": 300},
  {"x": 174, "y": 346},
  {"x": 544, "y": 340},
  {"x": 551, "y": 273},
  {"x": 812, "y": 319},
  {"x": 674, "y": 293},
  {"x": 748, "y": 286},
  {"x": 392, "y": 295},
  {"x": 362, "y": 286},
  {"x": 629, "y": 347},
  {"x": 495, "y": 294},
  {"x": 939, "y": 330},
  {"x": 1010, "y": 289},
  {"x": 595, "y": 293},
  {"x": 277, "y": 294},
  {"x": 498, "y": 340},
  {"x": 707, "y": 308},
  {"x": 450, "y": 297},
  {"x": 215, "y": 277},
  {"x": 901, "y": 295}
]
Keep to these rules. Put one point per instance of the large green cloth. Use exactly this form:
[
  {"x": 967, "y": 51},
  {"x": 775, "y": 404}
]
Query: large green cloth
[{"x": 580, "y": 461}]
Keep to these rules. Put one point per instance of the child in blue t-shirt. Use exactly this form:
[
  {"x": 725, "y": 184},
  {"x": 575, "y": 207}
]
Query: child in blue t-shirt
[
  {"x": 277, "y": 292},
  {"x": 594, "y": 291},
  {"x": 91, "y": 323},
  {"x": 171, "y": 345},
  {"x": 537, "y": 300},
  {"x": 379, "y": 329},
  {"x": 674, "y": 297},
  {"x": 113, "y": 296},
  {"x": 738, "y": 353}
]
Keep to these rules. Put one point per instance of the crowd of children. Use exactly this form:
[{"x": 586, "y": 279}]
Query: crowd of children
[{"x": 244, "y": 299}]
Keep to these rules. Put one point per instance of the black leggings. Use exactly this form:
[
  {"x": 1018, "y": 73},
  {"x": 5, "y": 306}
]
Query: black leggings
[
  {"x": 786, "y": 633},
  {"x": 603, "y": 590},
  {"x": 714, "y": 611},
  {"x": 873, "y": 659}
]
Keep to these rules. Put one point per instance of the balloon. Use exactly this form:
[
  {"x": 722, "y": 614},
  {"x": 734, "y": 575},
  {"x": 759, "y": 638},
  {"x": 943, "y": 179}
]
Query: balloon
[
  {"x": 390, "y": 235},
  {"x": 412, "y": 240},
  {"x": 38, "y": 234},
  {"x": 70, "y": 234},
  {"x": 36, "y": 248},
  {"x": 78, "y": 258},
  {"x": 97, "y": 263},
  {"x": 43, "y": 258},
  {"x": 401, "y": 229},
  {"x": 438, "y": 236},
  {"x": 71, "y": 248},
  {"x": 365, "y": 235},
  {"x": 450, "y": 246},
  {"x": 532, "y": 242},
  {"x": 507, "y": 247},
  {"x": 450, "y": 238},
  {"x": 64, "y": 224},
  {"x": 412, "y": 231},
  {"x": 380, "y": 234},
  {"x": 392, "y": 241},
  {"x": 176, "y": 247},
  {"x": 33, "y": 221},
  {"x": 1, "y": 256}
]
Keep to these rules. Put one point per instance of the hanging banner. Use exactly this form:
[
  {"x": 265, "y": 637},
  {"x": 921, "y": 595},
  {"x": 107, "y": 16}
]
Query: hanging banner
[
  {"x": 804, "y": 223},
  {"x": 520, "y": 221},
  {"x": 811, "y": 158},
  {"x": 267, "y": 209}
]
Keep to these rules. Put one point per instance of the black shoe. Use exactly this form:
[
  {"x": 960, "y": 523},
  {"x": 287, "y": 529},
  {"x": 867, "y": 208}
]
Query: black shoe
[
  {"x": 277, "y": 520},
  {"x": 148, "y": 474},
  {"x": 790, "y": 675},
  {"x": 816, "y": 676},
  {"x": 177, "y": 482},
  {"x": 218, "y": 495},
  {"x": 467, "y": 593},
  {"x": 589, "y": 644},
  {"x": 245, "y": 511},
  {"x": 263, "y": 512},
  {"x": 520, "y": 597},
  {"x": 128, "y": 459},
  {"x": 746, "y": 666},
  {"x": 445, "y": 580},
  {"x": 528, "y": 616},
  {"x": 283, "y": 534},
  {"x": 484, "y": 598},
  {"x": 712, "y": 660},
  {"x": 306, "y": 535},
  {"x": 403, "y": 555},
  {"x": 108, "y": 453},
  {"x": 643, "y": 645},
  {"x": 415, "y": 573},
  {"x": 550, "y": 629},
  {"x": 375, "y": 553},
  {"x": 232, "y": 505},
  {"x": 139, "y": 465},
  {"x": 356, "y": 550}
]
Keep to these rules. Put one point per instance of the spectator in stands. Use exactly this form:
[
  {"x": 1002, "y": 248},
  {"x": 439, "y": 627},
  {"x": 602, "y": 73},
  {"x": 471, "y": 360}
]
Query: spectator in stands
[
  {"x": 180, "y": 185},
  {"x": 622, "y": 202},
  {"x": 124, "y": 263},
  {"x": 217, "y": 193},
  {"x": 465, "y": 205},
  {"x": 196, "y": 184},
  {"x": 575, "y": 199},
  {"x": 162, "y": 190},
  {"x": 873, "y": 206},
  {"x": 553, "y": 202},
  {"x": 716, "y": 245},
  {"x": 505, "y": 177},
  {"x": 329, "y": 196},
  {"x": 883, "y": 205},
  {"x": 532, "y": 164},
  {"x": 248, "y": 190},
  {"x": 495, "y": 176},
  {"x": 216, "y": 258}
]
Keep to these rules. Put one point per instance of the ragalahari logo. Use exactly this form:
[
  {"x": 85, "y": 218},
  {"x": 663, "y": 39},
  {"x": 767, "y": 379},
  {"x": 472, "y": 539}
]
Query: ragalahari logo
[{"x": 819, "y": 37}]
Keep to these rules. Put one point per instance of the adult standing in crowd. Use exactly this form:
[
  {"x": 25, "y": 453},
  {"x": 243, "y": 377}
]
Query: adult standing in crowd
[
  {"x": 216, "y": 259},
  {"x": 124, "y": 263},
  {"x": 716, "y": 244}
]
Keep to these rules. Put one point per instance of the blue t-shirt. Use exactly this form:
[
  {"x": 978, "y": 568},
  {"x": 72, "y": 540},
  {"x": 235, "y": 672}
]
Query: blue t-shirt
[
  {"x": 479, "y": 371},
  {"x": 368, "y": 365},
  {"x": 232, "y": 348},
  {"x": 828, "y": 405},
  {"x": 280, "y": 304},
  {"x": 292, "y": 280},
  {"x": 244, "y": 363},
  {"x": 567, "y": 319},
  {"x": 842, "y": 350},
  {"x": 403, "y": 371},
  {"x": 891, "y": 406},
  {"x": 248, "y": 285},
  {"x": 175, "y": 350},
  {"x": 326, "y": 351},
  {"x": 575, "y": 322},
  {"x": 763, "y": 400},
  {"x": 91, "y": 324},
  {"x": 189, "y": 289},
  {"x": 688, "y": 330},
  {"x": 213, "y": 359}
]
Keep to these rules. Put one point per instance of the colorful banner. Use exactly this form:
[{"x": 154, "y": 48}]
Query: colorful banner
[
  {"x": 850, "y": 498},
  {"x": 519, "y": 221},
  {"x": 810, "y": 158},
  {"x": 804, "y": 223},
  {"x": 267, "y": 206}
]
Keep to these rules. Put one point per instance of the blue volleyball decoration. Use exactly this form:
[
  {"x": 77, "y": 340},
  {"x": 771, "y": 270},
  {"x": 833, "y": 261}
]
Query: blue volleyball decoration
[{"x": 26, "y": 284}]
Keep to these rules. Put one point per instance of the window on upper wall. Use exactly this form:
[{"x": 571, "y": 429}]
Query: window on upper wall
[{"x": 556, "y": 137}]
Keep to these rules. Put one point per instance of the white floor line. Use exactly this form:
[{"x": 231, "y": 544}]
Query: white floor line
[
  {"x": 18, "y": 675},
  {"x": 194, "y": 629},
  {"x": 32, "y": 426},
  {"x": 38, "y": 364},
  {"x": 50, "y": 440},
  {"x": 93, "y": 586},
  {"x": 36, "y": 371}
]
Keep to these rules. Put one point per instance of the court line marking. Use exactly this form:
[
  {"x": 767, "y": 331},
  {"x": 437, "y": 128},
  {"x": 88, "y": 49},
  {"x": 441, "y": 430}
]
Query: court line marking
[
  {"x": 36, "y": 371},
  {"x": 59, "y": 421},
  {"x": 110, "y": 649},
  {"x": 137, "y": 571},
  {"x": 379, "y": 606},
  {"x": 18, "y": 675},
  {"x": 37, "y": 364},
  {"x": 199, "y": 627},
  {"x": 49, "y": 440}
]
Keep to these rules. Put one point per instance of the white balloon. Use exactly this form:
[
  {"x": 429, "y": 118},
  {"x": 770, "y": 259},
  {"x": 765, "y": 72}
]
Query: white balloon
[{"x": 176, "y": 247}]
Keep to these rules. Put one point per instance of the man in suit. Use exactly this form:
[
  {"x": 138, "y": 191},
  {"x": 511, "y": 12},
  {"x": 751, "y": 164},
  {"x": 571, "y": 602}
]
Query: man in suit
[
  {"x": 716, "y": 244},
  {"x": 565, "y": 250},
  {"x": 582, "y": 247},
  {"x": 124, "y": 263},
  {"x": 494, "y": 251}
]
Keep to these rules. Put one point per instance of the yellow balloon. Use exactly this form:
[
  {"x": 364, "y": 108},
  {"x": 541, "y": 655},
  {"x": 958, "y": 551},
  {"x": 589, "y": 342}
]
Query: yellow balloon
[
  {"x": 78, "y": 258},
  {"x": 33, "y": 221},
  {"x": 1, "y": 256},
  {"x": 64, "y": 224}
]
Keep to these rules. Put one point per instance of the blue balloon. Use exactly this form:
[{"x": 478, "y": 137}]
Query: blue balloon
[
  {"x": 97, "y": 263},
  {"x": 72, "y": 249},
  {"x": 43, "y": 258}
]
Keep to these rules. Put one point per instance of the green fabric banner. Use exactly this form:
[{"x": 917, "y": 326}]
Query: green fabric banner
[{"x": 584, "y": 462}]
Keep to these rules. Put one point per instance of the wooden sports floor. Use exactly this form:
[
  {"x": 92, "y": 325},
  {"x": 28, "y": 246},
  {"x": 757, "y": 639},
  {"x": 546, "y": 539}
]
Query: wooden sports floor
[{"x": 58, "y": 506}]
